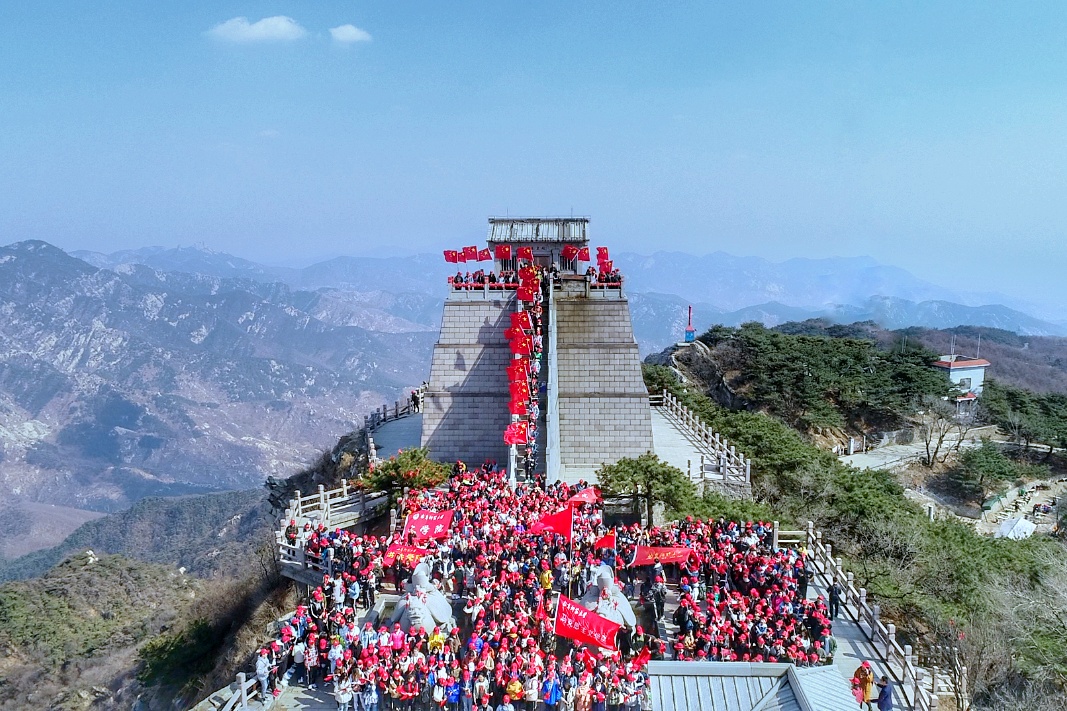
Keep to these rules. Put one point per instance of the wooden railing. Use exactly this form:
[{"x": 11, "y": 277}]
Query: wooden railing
[
  {"x": 718, "y": 455},
  {"x": 900, "y": 661}
]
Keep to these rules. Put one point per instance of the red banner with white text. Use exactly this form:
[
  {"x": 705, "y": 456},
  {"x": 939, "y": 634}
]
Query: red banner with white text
[
  {"x": 428, "y": 525},
  {"x": 647, "y": 555},
  {"x": 575, "y": 622},
  {"x": 408, "y": 555}
]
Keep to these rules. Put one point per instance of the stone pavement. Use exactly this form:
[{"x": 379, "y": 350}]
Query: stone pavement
[
  {"x": 299, "y": 698},
  {"x": 853, "y": 647},
  {"x": 392, "y": 436},
  {"x": 672, "y": 445}
]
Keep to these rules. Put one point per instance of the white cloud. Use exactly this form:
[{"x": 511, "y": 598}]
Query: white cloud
[
  {"x": 270, "y": 29},
  {"x": 349, "y": 34},
  {"x": 269, "y": 133}
]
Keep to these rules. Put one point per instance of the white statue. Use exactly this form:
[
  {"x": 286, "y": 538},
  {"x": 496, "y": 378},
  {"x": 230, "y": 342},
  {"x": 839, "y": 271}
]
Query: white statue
[
  {"x": 423, "y": 606},
  {"x": 606, "y": 599}
]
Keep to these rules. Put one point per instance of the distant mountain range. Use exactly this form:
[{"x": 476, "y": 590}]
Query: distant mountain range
[
  {"x": 171, "y": 371},
  {"x": 116, "y": 384},
  {"x": 660, "y": 319},
  {"x": 722, "y": 288}
]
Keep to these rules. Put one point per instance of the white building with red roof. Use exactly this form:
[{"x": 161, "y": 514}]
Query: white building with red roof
[{"x": 967, "y": 374}]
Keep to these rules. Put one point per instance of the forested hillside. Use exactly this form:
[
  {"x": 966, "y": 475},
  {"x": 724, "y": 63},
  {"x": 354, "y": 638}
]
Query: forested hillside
[
  {"x": 1001, "y": 602},
  {"x": 815, "y": 381}
]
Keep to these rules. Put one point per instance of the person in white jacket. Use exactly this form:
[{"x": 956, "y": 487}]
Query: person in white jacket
[
  {"x": 343, "y": 692},
  {"x": 263, "y": 674}
]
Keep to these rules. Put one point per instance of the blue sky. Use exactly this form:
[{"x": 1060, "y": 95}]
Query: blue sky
[{"x": 928, "y": 135}]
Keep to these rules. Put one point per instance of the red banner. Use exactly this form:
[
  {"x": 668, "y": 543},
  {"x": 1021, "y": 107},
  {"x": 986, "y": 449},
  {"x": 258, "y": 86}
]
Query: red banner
[
  {"x": 428, "y": 525},
  {"x": 470, "y": 254},
  {"x": 484, "y": 255},
  {"x": 408, "y": 555},
  {"x": 587, "y": 495},
  {"x": 526, "y": 253},
  {"x": 575, "y": 622},
  {"x": 451, "y": 256},
  {"x": 561, "y": 522},
  {"x": 503, "y": 251},
  {"x": 647, "y": 555},
  {"x": 583, "y": 254}
]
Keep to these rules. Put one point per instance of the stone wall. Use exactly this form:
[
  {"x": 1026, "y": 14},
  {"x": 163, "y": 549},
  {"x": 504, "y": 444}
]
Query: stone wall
[
  {"x": 603, "y": 404},
  {"x": 465, "y": 409}
]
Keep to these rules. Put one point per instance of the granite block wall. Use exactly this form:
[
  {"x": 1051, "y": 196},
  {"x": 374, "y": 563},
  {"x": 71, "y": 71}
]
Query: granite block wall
[
  {"x": 603, "y": 404},
  {"x": 465, "y": 408}
]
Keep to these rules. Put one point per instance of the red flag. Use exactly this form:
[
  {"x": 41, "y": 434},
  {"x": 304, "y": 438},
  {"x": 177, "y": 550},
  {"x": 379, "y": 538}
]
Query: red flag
[
  {"x": 601, "y": 253},
  {"x": 642, "y": 659},
  {"x": 516, "y": 433},
  {"x": 514, "y": 332},
  {"x": 525, "y": 293},
  {"x": 521, "y": 346},
  {"x": 484, "y": 255},
  {"x": 561, "y": 522},
  {"x": 503, "y": 251},
  {"x": 608, "y": 540},
  {"x": 451, "y": 256},
  {"x": 583, "y": 254},
  {"x": 461, "y": 257},
  {"x": 575, "y": 622},
  {"x": 517, "y": 407},
  {"x": 646, "y": 555},
  {"x": 518, "y": 370},
  {"x": 428, "y": 524},
  {"x": 470, "y": 254},
  {"x": 526, "y": 253},
  {"x": 587, "y": 495},
  {"x": 407, "y": 554},
  {"x": 521, "y": 320},
  {"x": 569, "y": 251},
  {"x": 605, "y": 267},
  {"x": 519, "y": 390}
]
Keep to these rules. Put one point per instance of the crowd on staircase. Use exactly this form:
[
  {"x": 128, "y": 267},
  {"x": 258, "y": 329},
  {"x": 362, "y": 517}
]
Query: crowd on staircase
[{"x": 728, "y": 594}]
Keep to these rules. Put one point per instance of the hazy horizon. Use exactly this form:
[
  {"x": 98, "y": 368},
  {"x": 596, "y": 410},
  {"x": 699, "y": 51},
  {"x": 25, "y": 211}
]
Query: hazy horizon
[{"x": 926, "y": 137}]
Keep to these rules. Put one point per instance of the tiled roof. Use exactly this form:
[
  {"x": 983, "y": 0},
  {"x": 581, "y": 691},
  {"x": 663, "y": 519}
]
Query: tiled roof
[
  {"x": 962, "y": 363},
  {"x": 740, "y": 686}
]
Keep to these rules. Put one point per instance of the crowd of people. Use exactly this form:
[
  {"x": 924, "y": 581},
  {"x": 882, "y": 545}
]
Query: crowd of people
[
  {"x": 525, "y": 368},
  {"x": 736, "y": 599},
  {"x": 479, "y": 277},
  {"x": 604, "y": 277}
]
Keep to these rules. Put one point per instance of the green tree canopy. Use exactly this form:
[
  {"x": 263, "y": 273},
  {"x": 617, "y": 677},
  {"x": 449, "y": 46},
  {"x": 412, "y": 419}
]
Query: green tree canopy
[{"x": 649, "y": 479}]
